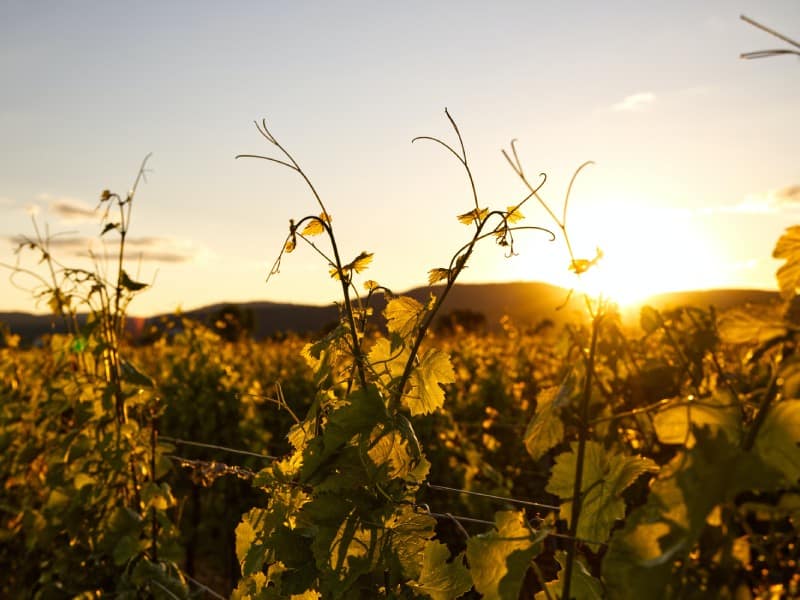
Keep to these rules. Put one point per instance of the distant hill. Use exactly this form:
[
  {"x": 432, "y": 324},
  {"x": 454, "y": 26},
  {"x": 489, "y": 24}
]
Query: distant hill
[{"x": 524, "y": 302}]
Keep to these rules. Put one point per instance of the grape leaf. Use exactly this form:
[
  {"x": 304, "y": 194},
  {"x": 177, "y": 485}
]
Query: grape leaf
[
  {"x": 513, "y": 214},
  {"x": 582, "y": 587},
  {"x": 391, "y": 451},
  {"x": 605, "y": 476},
  {"x": 129, "y": 284},
  {"x": 640, "y": 557},
  {"x": 499, "y": 559},
  {"x": 788, "y": 248},
  {"x": 476, "y": 215},
  {"x": 721, "y": 412},
  {"x": 546, "y": 428},
  {"x": 314, "y": 226},
  {"x": 402, "y": 315},
  {"x": 439, "y": 274},
  {"x": 777, "y": 440},
  {"x": 440, "y": 579},
  {"x": 433, "y": 371},
  {"x": 409, "y": 533}
]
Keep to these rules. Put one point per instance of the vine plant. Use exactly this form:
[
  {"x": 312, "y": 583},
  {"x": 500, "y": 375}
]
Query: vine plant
[{"x": 100, "y": 520}]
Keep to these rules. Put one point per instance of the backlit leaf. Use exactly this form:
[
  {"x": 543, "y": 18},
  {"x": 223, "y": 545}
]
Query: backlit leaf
[
  {"x": 476, "y": 215},
  {"x": 546, "y": 428},
  {"x": 673, "y": 425},
  {"x": 605, "y": 476},
  {"x": 435, "y": 275},
  {"x": 433, "y": 371},
  {"x": 514, "y": 215},
  {"x": 582, "y": 587},
  {"x": 440, "y": 579},
  {"x": 314, "y": 226},
  {"x": 499, "y": 559},
  {"x": 402, "y": 315},
  {"x": 788, "y": 248},
  {"x": 778, "y": 439}
]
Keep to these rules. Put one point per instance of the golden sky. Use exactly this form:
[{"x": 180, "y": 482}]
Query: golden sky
[{"x": 695, "y": 150}]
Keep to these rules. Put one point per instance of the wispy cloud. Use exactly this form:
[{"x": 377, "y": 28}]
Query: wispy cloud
[
  {"x": 635, "y": 102},
  {"x": 145, "y": 249},
  {"x": 69, "y": 210},
  {"x": 785, "y": 199}
]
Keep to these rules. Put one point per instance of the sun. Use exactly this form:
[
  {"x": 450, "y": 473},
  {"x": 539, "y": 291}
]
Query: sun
[{"x": 646, "y": 251}]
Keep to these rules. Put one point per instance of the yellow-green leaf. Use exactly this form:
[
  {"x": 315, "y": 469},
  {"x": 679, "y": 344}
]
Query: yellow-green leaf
[
  {"x": 433, "y": 371},
  {"x": 435, "y": 275},
  {"x": 788, "y": 248},
  {"x": 476, "y": 215},
  {"x": 546, "y": 428},
  {"x": 514, "y": 215},
  {"x": 499, "y": 559},
  {"x": 778, "y": 439},
  {"x": 605, "y": 476},
  {"x": 314, "y": 226},
  {"x": 403, "y": 315},
  {"x": 441, "y": 579}
]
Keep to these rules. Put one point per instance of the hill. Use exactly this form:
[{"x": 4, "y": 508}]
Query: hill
[{"x": 524, "y": 302}]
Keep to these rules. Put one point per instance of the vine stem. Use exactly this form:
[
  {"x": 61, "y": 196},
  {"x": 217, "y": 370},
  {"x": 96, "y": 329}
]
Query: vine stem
[{"x": 583, "y": 435}]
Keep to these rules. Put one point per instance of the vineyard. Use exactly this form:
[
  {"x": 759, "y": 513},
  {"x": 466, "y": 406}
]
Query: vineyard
[{"x": 390, "y": 459}]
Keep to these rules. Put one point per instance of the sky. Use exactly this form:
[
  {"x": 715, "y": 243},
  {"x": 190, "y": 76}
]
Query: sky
[{"x": 696, "y": 162}]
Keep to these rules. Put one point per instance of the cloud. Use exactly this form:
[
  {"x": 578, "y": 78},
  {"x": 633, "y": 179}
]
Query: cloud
[
  {"x": 70, "y": 210},
  {"x": 786, "y": 199},
  {"x": 635, "y": 101},
  {"x": 787, "y": 195},
  {"x": 144, "y": 249}
]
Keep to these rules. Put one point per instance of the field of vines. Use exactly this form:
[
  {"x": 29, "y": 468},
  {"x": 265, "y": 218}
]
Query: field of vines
[{"x": 382, "y": 459}]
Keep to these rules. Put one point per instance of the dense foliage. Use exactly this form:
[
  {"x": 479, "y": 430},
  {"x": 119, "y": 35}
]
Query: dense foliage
[{"x": 393, "y": 458}]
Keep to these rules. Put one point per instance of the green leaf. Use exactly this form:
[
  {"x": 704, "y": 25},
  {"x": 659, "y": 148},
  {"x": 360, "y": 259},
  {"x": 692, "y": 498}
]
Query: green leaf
[
  {"x": 788, "y": 248},
  {"x": 440, "y": 579},
  {"x": 134, "y": 376},
  {"x": 129, "y": 284},
  {"x": 777, "y": 440},
  {"x": 433, "y": 371},
  {"x": 739, "y": 326},
  {"x": 403, "y": 315},
  {"x": 605, "y": 476},
  {"x": 640, "y": 559},
  {"x": 582, "y": 587},
  {"x": 127, "y": 548},
  {"x": 389, "y": 451},
  {"x": 409, "y": 533},
  {"x": 674, "y": 424},
  {"x": 546, "y": 429},
  {"x": 499, "y": 559},
  {"x": 387, "y": 362}
]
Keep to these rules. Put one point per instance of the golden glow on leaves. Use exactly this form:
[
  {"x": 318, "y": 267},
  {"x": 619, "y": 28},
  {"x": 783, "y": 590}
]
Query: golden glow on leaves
[
  {"x": 476, "y": 215},
  {"x": 436, "y": 275},
  {"x": 788, "y": 248},
  {"x": 433, "y": 371}
]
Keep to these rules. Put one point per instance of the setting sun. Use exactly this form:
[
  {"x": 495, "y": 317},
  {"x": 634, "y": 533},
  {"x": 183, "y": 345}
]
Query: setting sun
[{"x": 645, "y": 250}]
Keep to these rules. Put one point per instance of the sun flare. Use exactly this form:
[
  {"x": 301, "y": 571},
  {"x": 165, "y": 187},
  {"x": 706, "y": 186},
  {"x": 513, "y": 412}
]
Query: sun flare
[{"x": 646, "y": 251}]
